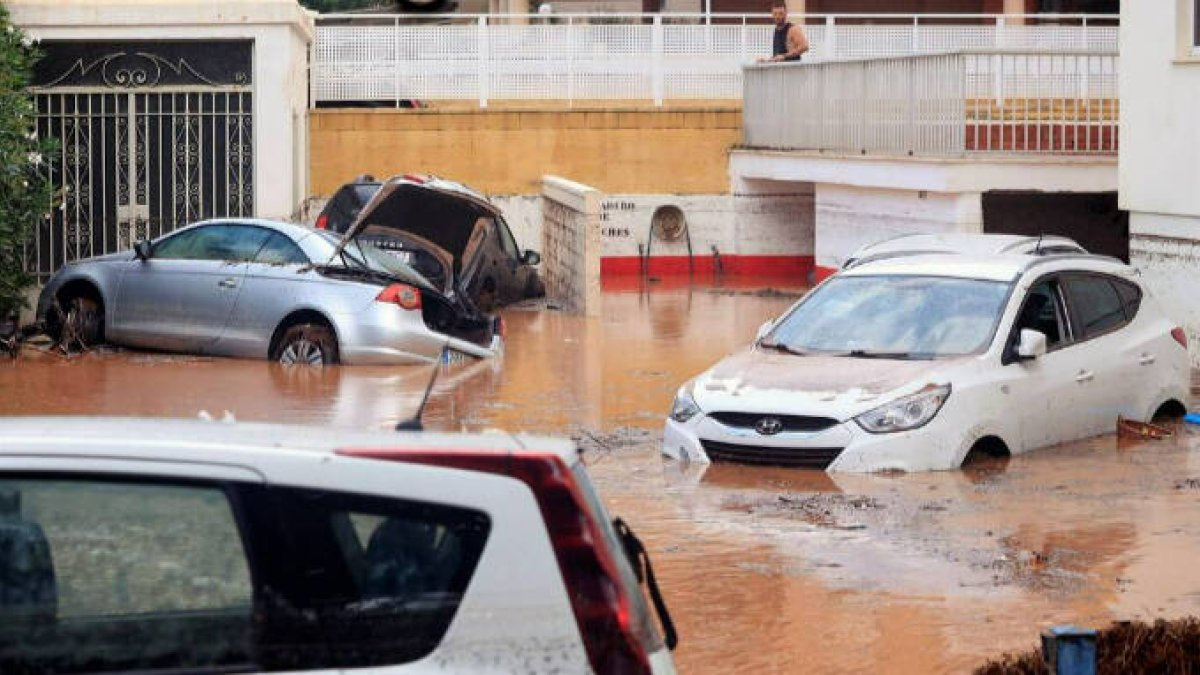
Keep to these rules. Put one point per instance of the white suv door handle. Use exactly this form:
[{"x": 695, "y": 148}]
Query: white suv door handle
[
  {"x": 227, "y": 283},
  {"x": 1085, "y": 376},
  {"x": 1146, "y": 359}
]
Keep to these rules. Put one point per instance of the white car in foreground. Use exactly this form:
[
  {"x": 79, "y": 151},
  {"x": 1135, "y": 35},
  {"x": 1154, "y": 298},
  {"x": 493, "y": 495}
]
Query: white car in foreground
[
  {"x": 203, "y": 547},
  {"x": 915, "y": 362}
]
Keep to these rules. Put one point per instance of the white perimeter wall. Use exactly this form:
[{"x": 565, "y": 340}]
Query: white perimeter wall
[
  {"x": 1159, "y": 164},
  {"x": 775, "y": 221}
]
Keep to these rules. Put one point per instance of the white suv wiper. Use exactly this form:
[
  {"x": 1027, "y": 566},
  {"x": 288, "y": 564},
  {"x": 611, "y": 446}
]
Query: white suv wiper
[
  {"x": 901, "y": 356},
  {"x": 781, "y": 347}
]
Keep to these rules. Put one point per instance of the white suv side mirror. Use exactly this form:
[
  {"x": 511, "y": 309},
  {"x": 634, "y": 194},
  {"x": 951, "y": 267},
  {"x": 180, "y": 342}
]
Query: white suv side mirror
[
  {"x": 1032, "y": 344},
  {"x": 763, "y": 330}
]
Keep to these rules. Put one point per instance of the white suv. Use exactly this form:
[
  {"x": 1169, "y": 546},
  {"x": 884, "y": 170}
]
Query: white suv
[
  {"x": 202, "y": 547},
  {"x": 916, "y": 362}
]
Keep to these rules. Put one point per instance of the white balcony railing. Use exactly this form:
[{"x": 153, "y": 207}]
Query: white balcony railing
[
  {"x": 941, "y": 104},
  {"x": 638, "y": 57}
]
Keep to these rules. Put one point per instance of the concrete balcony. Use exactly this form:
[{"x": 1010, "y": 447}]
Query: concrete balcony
[
  {"x": 1010, "y": 141},
  {"x": 938, "y": 105}
]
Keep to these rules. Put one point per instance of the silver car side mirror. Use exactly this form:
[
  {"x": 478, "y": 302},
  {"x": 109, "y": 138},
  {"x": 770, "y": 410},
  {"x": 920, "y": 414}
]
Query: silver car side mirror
[
  {"x": 1032, "y": 345},
  {"x": 763, "y": 330},
  {"x": 141, "y": 249}
]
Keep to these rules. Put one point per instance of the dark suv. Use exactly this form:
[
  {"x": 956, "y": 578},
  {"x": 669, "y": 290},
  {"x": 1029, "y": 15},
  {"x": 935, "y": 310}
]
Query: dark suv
[{"x": 450, "y": 233}]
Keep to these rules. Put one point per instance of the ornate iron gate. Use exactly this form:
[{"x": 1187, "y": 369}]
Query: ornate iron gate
[{"x": 152, "y": 136}]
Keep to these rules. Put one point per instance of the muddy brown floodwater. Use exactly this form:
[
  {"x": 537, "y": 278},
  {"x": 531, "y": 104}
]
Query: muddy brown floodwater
[{"x": 766, "y": 570}]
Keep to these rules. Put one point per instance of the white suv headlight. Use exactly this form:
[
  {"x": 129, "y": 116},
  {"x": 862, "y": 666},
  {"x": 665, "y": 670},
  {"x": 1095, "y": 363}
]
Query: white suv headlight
[
  {"x": 910, "y": 412},
  {"x": 684, "y": 408}
]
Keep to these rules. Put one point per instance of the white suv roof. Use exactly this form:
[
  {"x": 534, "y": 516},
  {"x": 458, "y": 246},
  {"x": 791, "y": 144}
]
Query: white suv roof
[
  {"x": 997, "y": 267},
  {"x": 965, "y": 244}
]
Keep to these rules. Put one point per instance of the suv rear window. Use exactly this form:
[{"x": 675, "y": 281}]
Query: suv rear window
[
  {"x": 1131, "y": 297},
  {"x": 1095, "y": 304},
  {"x": 345, "y": 205}
]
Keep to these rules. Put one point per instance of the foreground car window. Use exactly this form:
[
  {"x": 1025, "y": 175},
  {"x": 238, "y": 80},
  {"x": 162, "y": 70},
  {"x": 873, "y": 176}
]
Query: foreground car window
[
  {"x": 101, "y": 576},
  {"x": 115, "y": 576},
  {"x": 354, "y": 581},
  {"x": 902, "y": 316}
]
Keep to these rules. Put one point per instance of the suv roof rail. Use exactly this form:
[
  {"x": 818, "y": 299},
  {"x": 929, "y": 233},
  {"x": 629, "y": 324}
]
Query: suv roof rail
[
  {"x": 1059, "y": 257},
  {"x": 888, "y": 255}
]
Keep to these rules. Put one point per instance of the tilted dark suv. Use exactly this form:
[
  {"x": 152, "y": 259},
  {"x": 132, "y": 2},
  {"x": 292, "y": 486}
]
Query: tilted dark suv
[{"x": 450, "y": 233}]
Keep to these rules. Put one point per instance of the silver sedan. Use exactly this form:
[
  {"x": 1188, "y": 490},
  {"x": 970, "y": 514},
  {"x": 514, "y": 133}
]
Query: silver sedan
[{"x": 256, "y": 288}]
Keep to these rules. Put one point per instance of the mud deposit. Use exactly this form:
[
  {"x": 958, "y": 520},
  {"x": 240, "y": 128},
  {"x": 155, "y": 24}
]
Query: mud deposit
[{"x": 766, "y": 570}]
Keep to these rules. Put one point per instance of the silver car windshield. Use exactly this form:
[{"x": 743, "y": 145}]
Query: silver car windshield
[
  {"x": 361, "y": 254},
  {"x": 893, "y": 317}
]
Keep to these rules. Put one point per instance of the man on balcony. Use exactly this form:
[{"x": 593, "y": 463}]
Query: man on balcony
[{"x": 789, "y": 39}]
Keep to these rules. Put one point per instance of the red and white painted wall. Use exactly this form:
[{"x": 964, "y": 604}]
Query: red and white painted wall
[{"x": 766, "y": 233}]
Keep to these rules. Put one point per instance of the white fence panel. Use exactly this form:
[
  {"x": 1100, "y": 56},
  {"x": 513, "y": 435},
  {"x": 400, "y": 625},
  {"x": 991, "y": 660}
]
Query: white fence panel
[
  {"x": 940, "y": 104},
  {"x": 394, "y": 58}
]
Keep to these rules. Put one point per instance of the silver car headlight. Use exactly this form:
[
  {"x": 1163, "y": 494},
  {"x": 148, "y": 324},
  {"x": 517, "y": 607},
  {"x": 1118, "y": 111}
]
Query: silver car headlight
[
  {"x": 910, "y": 412},
  {"x": 684, "y": 408}
]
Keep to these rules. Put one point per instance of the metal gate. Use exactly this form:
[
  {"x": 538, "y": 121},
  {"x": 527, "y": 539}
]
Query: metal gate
[{"x": 151, "y": 137}]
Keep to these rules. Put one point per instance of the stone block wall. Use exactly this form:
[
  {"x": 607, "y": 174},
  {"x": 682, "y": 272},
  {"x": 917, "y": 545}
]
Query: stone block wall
[{"x": 571, "y": 244}]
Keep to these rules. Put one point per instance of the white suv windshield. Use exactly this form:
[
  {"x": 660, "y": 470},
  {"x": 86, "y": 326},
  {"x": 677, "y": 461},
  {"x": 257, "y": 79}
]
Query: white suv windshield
[{"x": 893, "y": 317}]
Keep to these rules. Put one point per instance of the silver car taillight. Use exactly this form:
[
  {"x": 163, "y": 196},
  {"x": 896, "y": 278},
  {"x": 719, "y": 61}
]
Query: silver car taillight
[{"x": 407, "y": 297}]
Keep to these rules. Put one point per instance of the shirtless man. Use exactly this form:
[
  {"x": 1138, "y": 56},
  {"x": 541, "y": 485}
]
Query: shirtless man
[{"x": 789, "y": 39}]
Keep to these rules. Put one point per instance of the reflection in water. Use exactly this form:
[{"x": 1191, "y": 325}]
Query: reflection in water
[{"x": 766, "y": 570}]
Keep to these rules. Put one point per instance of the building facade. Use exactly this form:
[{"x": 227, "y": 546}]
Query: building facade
[
  {"x": 1159, "y": 162},
  {"x": 167, "y": 112}
]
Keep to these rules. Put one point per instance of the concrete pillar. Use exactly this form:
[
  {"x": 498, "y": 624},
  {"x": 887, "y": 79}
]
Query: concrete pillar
[
  {"x": 1015, "y": 8},
  {"x": 795, "y": 8},
  {"x": 510, "y": 7},
  {"x": 571, "y": 244}
]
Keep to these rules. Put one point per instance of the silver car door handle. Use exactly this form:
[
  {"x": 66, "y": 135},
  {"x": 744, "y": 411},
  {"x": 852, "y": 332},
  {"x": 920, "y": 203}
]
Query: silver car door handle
[
  {"x": 1146, "y": 359},
  {"x": 1085, "y": 376},
  {"x": 228, "y": 283}
]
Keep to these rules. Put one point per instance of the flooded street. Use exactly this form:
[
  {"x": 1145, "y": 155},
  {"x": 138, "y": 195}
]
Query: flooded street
[{"x": 765, "y": 570}]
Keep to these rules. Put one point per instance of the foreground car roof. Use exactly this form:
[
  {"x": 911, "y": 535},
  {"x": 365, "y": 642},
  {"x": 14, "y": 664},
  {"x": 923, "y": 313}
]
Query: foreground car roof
[
  {"x": 1000, "y": 267},
  {"x": 106, "y": 436}
]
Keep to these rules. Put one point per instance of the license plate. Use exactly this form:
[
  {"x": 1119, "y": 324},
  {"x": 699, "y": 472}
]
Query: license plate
[{"x": 452, "y": 356}]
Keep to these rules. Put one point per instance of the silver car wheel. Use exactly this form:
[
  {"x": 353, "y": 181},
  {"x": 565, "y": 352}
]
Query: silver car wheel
[{"x": 303, "y": 351}]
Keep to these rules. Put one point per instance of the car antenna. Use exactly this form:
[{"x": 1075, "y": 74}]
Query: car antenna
[
  {"x": 1037, "y": 250},
  {"x": 414, "y": 423}
]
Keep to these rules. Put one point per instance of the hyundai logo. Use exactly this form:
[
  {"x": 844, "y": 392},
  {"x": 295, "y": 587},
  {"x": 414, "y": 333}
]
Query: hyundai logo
[{"x": 769, "y": 426}]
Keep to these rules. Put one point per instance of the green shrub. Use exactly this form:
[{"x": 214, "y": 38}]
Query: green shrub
[{"x": 25, "y": 191}]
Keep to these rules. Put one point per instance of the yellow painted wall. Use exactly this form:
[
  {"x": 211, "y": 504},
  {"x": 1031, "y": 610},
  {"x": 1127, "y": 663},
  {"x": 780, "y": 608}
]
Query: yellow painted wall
[{"x": 508, "y": 151}]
